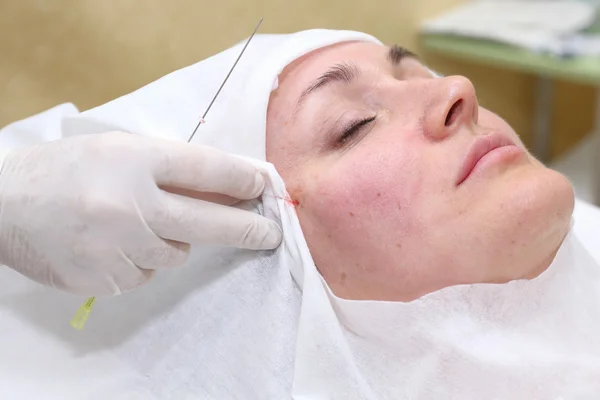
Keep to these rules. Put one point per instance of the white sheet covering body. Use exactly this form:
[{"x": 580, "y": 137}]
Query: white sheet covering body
[{"x": 236, "y": 324}]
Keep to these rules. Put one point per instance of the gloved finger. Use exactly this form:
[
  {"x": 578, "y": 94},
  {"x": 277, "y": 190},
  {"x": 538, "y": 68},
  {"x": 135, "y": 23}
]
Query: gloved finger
[
  {"x": 118, "y": 275},
  {"x": 212, "y": 197},
  {"x": 124, "y": 283},
  {"x": 159, "y": 253},
  {"x": 114, "y": 273},
  {"x": 207, "y": 170},
  {"x": 198, "y": 222},
  {"x": 123, "y": 275}
]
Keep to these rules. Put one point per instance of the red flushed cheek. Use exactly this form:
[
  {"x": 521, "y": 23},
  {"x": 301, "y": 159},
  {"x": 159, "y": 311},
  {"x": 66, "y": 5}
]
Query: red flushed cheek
[{"x": 370, "y": 197}]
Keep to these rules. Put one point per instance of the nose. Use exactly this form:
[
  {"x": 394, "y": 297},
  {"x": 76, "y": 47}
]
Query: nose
[{"x": 453, "y": 105}]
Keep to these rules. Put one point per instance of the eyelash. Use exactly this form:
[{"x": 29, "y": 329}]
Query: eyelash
[{"x": 354, "y": 128}]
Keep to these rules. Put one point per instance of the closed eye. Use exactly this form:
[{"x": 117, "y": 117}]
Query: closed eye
[{"x": 354, "y": 128}]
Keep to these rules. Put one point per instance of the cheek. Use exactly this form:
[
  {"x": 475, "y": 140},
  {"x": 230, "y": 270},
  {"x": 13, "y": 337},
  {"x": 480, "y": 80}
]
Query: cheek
[{"x": 365, "y": 191}]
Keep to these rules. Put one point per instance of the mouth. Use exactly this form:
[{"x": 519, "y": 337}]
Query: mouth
[{"x": 483, "y": 146}]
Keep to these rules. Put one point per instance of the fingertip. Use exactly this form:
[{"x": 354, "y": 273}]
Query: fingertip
[
  {"x": 273, "y": 238},
  {"x": 259, "y": 185}
]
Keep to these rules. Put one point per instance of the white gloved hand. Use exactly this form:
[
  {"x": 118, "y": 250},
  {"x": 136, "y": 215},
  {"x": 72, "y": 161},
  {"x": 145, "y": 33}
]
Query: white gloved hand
[{"x": 89, "y": 214}]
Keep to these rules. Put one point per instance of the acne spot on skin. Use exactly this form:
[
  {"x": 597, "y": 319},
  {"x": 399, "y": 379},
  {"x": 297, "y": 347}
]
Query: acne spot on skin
[
  {"x": 378, "y": 194},
  {"x": 399, "y": 245},
  {"x": 351, "y": 214},
  {"x": 294, "y": 195},
  {"x": 343, "y": 277}
]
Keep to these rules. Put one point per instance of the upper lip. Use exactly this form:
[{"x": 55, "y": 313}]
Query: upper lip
[{"x": 482, "y": 146}]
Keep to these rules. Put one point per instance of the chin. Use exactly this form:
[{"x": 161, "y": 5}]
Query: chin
[
  {"x": 532, "y": 212},
  {"x": 544, "y": 208},
  {"x": 556, "y": 194}
]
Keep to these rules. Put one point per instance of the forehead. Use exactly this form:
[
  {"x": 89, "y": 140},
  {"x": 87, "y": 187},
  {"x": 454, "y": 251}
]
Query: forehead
[{"x": 312, "y": 65}]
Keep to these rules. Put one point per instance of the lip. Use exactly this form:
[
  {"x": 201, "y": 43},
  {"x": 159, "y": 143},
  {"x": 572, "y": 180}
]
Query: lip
[{"x": 482, "y": 147}]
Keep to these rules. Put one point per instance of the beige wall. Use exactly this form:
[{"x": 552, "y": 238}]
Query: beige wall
[{"x": 91, "y": 51}]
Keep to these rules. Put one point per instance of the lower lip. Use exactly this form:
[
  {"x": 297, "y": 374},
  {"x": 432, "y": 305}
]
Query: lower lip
[{"x": 500, "y": 156}]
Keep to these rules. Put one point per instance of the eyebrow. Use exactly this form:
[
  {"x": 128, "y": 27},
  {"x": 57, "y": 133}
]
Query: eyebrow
[
  {"x": 348, "y": 72},
  {"x": 397, "y": 53},
  {"x": 344, "y": 72}
]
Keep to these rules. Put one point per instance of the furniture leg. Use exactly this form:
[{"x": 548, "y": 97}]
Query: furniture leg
[{"x": 543, "y": 115}]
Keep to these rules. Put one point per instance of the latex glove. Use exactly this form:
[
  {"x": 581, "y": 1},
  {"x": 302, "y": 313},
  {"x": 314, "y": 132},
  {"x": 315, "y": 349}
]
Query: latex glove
[{"x": 89, "y": 214}]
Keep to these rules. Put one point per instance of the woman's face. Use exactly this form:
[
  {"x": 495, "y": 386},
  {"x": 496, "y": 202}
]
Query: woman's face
[{"x": 382, "y": 160}]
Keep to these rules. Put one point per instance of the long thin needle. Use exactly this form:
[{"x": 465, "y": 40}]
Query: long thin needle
[{"x": 227, "y": 77}]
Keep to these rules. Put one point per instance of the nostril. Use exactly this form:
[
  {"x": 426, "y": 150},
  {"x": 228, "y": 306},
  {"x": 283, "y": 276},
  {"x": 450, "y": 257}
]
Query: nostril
[{"x": 454, "y": 112}]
